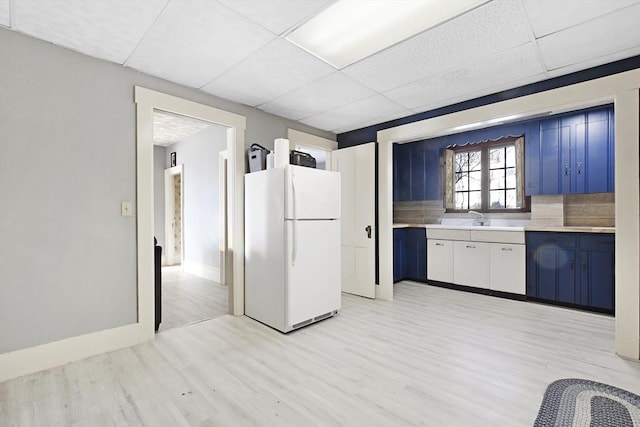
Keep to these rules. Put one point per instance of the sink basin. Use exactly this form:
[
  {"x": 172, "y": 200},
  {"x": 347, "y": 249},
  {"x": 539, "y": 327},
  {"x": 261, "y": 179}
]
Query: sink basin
[{"x": 476, "y": 227}]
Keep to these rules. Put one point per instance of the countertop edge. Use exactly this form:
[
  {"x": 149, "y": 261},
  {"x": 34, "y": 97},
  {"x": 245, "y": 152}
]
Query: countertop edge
[{"x": 555, "y": 229}]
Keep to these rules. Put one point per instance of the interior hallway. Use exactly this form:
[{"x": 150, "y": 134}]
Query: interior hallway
[
  {"x": 432, "y": 357},
  {"x": 187, "y": 298}
]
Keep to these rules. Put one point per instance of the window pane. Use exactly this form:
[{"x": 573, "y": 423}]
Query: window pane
[
  {"x": 496, "y": 158},
  {"x": 461, "y": 162},
  {"x": 461, "y": 200},
  {"x": 496, "y": 199},
  {"x": 512, "y": 203},
  {"x": 475, "y": 199},
  {"x": 475, "y": 180},
  {"x": 511, "y": 156},
  {"x": 511, "y": 177},
  {"x": 461, "y": 181},
  {"x": 475, "y": 158},
  {"x": 496, "y": 179}
]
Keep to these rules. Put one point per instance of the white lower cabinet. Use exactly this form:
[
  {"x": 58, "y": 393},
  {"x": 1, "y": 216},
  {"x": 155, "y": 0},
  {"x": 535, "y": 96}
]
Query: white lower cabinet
[
  {"x": 471, "y": 264},
  {"x": 486, "y": 259},
  {"x": 508, "y": 268},
  {"x": 440, "y": 260}
]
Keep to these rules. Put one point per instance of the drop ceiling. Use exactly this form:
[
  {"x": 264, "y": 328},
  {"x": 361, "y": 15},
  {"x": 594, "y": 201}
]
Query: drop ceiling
[{"x": 235, "y": 49}]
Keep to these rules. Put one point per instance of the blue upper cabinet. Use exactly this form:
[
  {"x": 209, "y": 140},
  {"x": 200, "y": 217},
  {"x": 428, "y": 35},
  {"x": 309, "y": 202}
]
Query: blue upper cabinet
[
  {"x": 416, "y": 172},
  {"x": 576, "y": 154}
]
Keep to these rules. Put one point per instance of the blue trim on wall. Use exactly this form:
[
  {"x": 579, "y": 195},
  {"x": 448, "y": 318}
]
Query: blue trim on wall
[{"x": 369, "y": 134}]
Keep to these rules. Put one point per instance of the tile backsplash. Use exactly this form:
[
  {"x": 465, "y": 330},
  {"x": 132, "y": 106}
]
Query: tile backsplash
[
  {"x": 590, "y": 210},
  {"x": 587, "y": 210}
]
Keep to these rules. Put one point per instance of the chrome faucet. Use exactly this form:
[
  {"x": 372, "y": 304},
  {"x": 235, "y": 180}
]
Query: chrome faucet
[{"x": 480, "y": 219}]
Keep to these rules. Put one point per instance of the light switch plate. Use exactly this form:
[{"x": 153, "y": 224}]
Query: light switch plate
[{"x": 125, "y": 209}]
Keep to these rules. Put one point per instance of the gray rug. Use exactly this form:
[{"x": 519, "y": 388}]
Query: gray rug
[{"x": 576, "y": 403}]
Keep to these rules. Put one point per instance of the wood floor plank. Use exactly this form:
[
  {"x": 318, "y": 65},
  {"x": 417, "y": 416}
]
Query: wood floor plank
[{"x": 432, "y": 357}]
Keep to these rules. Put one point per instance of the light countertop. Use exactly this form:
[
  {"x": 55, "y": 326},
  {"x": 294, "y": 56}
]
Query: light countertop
[{"x": 561, "y": 229}]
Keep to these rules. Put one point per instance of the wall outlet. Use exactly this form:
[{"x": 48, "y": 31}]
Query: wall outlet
[{"x": 125, "y": 209}]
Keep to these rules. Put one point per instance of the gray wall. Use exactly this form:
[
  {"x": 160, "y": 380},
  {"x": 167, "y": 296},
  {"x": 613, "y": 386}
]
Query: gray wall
[
  {"x": 199, "y": 155},
  {"x": 67, "y": 141},
  {"x": 159, "y": 165}
]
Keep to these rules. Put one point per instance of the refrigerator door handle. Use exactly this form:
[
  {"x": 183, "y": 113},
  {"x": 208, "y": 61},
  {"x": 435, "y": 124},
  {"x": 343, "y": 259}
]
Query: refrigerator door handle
[{"x": 294, "y": 252}]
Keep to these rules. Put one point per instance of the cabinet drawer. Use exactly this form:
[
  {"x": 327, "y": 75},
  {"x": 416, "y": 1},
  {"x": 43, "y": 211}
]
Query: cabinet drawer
[
  {"x": 563, "y": 240},
  {"x": 598, "y": 242}
]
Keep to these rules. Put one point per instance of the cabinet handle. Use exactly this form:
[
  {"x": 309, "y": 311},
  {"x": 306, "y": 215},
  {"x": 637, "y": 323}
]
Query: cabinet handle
[
  {"x": 439, "y": 244},
  {"x": 507, "y": 249},
  {"x": 579, "y": 167},
  {"x": 566, "y": 169},
  {"x": 584, "y": 265},
  {"x": 571, "y": 264},
  {"x": 470, "y": 247}
]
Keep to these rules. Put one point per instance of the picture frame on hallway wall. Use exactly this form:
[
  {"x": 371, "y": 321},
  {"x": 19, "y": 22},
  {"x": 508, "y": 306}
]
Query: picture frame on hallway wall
[{"x": 173, "y": 159}]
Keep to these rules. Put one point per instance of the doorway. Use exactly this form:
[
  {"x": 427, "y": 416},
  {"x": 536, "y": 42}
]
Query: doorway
[{"x": 191, "y": 285}]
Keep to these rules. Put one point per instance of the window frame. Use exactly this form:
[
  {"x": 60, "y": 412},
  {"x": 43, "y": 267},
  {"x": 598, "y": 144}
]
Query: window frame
[{"x": 484, "y": 147}]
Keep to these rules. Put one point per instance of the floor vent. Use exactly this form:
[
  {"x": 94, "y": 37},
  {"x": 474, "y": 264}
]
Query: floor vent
[
  {"x": 301, "y": 324},
  {"x": 323, "y": 316}
]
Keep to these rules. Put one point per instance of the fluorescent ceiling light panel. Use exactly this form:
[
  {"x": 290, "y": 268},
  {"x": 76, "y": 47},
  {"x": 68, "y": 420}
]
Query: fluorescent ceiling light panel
[{"x": 350, "y": 30}]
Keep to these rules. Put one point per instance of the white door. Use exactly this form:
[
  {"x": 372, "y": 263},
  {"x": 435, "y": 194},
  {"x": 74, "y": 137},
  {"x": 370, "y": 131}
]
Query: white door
[{"x": 357, "y": 172}]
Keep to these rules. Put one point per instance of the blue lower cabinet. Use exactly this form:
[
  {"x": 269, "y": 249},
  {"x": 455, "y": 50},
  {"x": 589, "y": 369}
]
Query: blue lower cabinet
[
  {"x": 576, "y": 269},
  {"x": 399, "y": 258},
  {"x": 410, "y": 254}
]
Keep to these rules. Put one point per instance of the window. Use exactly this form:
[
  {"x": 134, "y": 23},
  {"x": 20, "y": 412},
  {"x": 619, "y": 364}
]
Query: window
[{"x": 485, "y": 176}]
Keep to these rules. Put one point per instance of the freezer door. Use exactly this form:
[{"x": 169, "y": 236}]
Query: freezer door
[
  {"x": 313, "y": 269},
  {"x": 312, "y": 193}
]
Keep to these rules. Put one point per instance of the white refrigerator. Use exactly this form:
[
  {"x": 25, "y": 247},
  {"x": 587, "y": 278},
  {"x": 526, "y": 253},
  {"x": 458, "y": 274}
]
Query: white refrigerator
[{"x": 292, "y": 246}]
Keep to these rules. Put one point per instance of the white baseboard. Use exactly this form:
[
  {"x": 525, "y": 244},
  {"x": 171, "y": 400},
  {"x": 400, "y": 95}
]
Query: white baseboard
[
  {"x": 34, "y": 359},
  {"x": 201, "y": 270}
]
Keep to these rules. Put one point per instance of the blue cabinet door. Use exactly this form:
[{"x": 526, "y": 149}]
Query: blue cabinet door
[
  {"x": 597, "y": 271},
  {"x": 399, "y": 256},
  {"x": 551, "y": 266},
  {"x": 595, "y": 173},
  {"x": 576, "y": 154},
  {"x": 418, "y": 177},
  {"x": 550, "y": 157},
  {"x": 416, "y": 254},
  {"x": 404, "y": 172}
]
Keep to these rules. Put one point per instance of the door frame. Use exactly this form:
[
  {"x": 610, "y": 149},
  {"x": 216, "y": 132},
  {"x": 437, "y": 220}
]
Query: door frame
[
  {"x": 146, "y": 102},
  {"x": 169, "y": 207}
]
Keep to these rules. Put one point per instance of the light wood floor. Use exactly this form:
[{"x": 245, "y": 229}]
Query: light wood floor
[
  {"x": 433, "y": 357},
  {"x": 187, "y": 298}
]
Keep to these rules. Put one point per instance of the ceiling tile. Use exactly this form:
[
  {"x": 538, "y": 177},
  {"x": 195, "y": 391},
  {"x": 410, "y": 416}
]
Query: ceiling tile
[
  {"x": 193, "y": 42},
  {"x": 276, "y": 16},
  {"x": 274, "y": 70},
  {"x": 329, "y": 92},
  {"x": 486, "y": 91},
  {"x": 169, "y": 128},
  {"x": 549, "y": 16},
  {"x": 376, "y": 107},
  {"x": 491, "y": 28},
  {"x": 5, "y": 16},
  {"x": 627, "y": 53},
  {"x": 106, "y": 30},
  {"x": 509, "y": 66},
  {"x": 380, "y": 120},
  {"x": 611, "y": 33}
]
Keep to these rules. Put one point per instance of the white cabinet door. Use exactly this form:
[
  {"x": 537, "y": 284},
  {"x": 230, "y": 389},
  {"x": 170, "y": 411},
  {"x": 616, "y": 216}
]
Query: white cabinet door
[
  {"x": 440, "y": 260},
  {"x": 508, "y": 268},
  {"x": 471, "y": 264}
]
